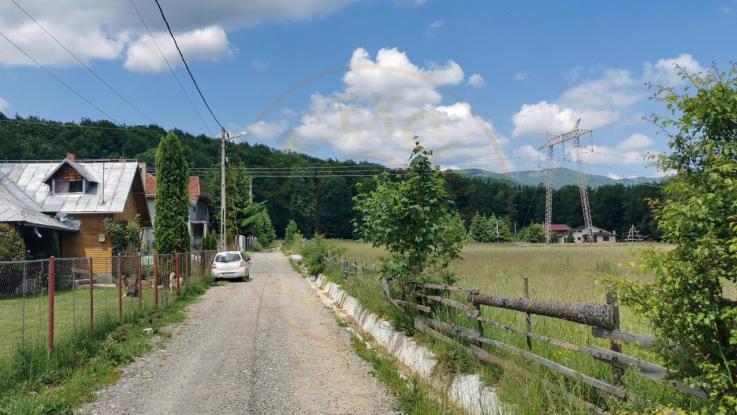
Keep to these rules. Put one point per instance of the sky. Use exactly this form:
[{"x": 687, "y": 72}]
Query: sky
[{"x": 481, "y": 83}]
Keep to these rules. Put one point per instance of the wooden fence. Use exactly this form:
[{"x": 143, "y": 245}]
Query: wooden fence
[{"x": 603, "y": 319}]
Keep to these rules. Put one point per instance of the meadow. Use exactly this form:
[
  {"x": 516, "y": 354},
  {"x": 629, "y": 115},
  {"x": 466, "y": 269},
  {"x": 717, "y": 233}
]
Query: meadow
[{"x": 573, "y": 273}]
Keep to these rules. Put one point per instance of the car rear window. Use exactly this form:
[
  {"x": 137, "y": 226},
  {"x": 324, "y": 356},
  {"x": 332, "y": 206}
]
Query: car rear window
[{"x": 227, "y": 257}]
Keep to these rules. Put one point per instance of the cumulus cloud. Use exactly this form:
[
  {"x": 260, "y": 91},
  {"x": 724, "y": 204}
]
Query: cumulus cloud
[
  {"x": 665, "y": 71},
  {"x": 3, "y": 105},
  {"x": 635, "y": 141},
  {"x": 385, "y": 102},
  {"x": 600, "y": 101},
  {"x": 476, "y": 81},
  {"x": 267, "y": 130},
  {"x": 207, "y": 44},
  {"x": 105, "y": 30}
]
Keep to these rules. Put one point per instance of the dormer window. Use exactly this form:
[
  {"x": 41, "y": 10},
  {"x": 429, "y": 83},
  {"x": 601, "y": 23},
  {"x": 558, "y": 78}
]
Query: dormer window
[{"x": 70, "y": 177}]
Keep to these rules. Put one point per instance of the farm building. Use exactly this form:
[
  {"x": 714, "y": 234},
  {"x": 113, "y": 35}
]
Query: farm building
[
  {"x": 199, "y": 222},
  {"x": 73, "y": 198},
  {"x": 559, "y": 231},
  {"x": 600, "y": 235}
]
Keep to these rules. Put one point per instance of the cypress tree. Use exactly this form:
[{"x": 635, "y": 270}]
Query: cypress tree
[{"x": 172, "y": 199}]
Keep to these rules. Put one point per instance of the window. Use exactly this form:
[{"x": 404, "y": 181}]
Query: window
[
  {"x": 606, "y": 239},
  {"x": 75, "y": 186},
  {"x": 578, "y": 238},
  {"x": 228, "y": 257}
]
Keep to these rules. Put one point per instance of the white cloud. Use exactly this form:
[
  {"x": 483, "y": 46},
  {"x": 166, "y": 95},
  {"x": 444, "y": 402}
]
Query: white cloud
[
  {"x": 614, "y": 176},
  {"x": 665, "y": 71},
  {"x": 600, "y": 101},
  {"x": 476, "y": 81},
  {"x": 101, "y": 29},
  {"x": 548, "y": 118},
  {"x": 635, "y": 141},
  {"x": 387, "y": 101},
  {"x": 267, "y": 130},
  {"x": 3, "y": 105},
  {"x": 207, "y": 44},
  {"x": 520, "y": 76},
  {"x": 432, "y": 27}
]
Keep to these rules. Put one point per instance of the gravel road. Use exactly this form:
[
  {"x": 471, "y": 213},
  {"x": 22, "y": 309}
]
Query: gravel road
[{"x": 267, "y": 346}]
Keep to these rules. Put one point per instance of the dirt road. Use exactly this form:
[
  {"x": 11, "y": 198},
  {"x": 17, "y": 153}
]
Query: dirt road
[{"x": 267, "y": 346}]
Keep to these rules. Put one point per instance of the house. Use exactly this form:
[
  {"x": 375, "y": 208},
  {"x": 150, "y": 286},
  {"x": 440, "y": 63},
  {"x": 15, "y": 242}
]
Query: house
[
  {"x": 73, "y": 197},
  {"x": 559, "y": 231},
  {"x": 200, "y": 220},
  {"x": 600, "y": 235}
]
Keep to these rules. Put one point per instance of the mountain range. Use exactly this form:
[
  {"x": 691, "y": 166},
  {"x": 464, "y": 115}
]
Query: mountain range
[{"x": 561, "y": 177}]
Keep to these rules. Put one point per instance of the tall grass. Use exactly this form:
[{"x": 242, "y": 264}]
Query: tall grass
[{"x": 565, "y": 273}]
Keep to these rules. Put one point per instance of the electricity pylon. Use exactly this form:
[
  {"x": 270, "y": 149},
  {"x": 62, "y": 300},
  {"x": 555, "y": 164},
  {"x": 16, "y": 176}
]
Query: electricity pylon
[
  {"x": 633, "y": 235},
  {"x": 575, "y": 134}
]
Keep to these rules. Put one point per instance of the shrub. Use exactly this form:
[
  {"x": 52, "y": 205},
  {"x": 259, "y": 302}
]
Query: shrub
[
  {"x": 314, "y": 255},
  {"x": 209, "y": 242},
  {"x": 292, "y": 234},
  {"x": 490, "y": 229},
  {"x": 534, "y": 233},
  {"x": 694, "y": 321},
  {"x": 124, "y": 235},
  {"x": 12, "y": 247}
]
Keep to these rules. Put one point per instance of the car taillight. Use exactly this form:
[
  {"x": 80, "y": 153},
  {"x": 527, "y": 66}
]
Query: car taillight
[
  {"x": 214, "y": 266},
  {"x": 243, "y": 264}
]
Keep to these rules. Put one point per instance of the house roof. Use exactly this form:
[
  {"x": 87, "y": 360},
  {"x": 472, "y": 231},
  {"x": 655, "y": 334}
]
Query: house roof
[
  {"x": 73, "y": 164},
  {"x": 196, "y": 188},
  {"x": 150, "y": 185},
  {"x": 16, "y": 206},
  {"x": 559, "y": 227},
  {"x": 114, "y": 180},
  {"x": 595, "y": 230}
]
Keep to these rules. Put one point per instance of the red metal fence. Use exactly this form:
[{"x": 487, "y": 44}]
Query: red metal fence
[{"x": 46, "y": 303}]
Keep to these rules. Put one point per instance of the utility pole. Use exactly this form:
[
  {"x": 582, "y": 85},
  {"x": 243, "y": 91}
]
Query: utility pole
[
  {"x": 223, "y": 210},
  {"x": 250, "y": 189},
  {"x": 575, "y": 134}
]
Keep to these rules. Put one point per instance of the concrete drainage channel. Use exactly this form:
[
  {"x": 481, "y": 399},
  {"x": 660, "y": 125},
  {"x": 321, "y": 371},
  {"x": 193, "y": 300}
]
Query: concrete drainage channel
[{"x": 466, "y": 391}]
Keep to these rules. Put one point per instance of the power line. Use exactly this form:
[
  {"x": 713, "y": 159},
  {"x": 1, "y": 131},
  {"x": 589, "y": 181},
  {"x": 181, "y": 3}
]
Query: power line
[
  {"x": 171, "y": 70},
  {"x": 95, "y": 74},
  {"x": 191, "y": 76},
  {"x": 53, "y": 75}
]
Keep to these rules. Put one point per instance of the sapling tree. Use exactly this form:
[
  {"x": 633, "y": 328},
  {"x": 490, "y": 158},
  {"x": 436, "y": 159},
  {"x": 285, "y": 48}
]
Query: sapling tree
[{"x": 413, "y": 219}]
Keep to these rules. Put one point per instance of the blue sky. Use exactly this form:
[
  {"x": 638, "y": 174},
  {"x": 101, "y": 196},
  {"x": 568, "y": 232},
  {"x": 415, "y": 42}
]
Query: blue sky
[{"x": 480, "y": 82}]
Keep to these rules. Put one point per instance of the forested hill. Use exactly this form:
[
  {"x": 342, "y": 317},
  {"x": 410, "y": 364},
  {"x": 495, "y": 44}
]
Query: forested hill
[{"x": 321, "y": 204}]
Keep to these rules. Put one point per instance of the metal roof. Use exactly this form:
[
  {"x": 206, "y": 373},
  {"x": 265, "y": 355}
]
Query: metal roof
[
  {"x": 16, "y": 206},
  {"x": 73, "y": 164},
  {"x": 114, "y": 180}
]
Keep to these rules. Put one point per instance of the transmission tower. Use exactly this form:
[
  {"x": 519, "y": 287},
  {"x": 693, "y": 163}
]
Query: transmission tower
[
  {"x": 575, "y": 135},
  {"x": 633, "y": 235}
]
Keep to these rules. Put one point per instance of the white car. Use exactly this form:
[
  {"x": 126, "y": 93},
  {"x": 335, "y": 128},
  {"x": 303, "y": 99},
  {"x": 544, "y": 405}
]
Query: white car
[{"x": 231, "y": 265}]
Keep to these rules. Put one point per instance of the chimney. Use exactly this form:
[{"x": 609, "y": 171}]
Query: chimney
[{"x": 71, "y": 156}]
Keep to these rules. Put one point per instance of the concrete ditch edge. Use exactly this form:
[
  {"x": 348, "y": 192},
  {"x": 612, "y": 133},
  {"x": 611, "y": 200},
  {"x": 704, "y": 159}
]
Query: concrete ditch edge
[{"x": 466, "y": 391}]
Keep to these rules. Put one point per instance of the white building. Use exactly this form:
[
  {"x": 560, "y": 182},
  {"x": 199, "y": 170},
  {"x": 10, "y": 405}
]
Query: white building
[{"x": 580, "y": 235}]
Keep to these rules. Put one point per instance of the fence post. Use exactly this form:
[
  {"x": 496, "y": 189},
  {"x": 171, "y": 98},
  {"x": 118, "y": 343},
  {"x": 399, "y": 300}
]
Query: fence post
[
  {"x": 156, "y": 280},
  {"x": 528, "y": 316},
  {"x": 92, "y": 297},
  {"x": 177, "y": 270},
  {"x": 120, "y": 289},
  {"x": 51, "y": 304},
  {"x": 138, "y": 281},
  {"x": 479, "y": 324},
  {"x": 611, "y": 299}
]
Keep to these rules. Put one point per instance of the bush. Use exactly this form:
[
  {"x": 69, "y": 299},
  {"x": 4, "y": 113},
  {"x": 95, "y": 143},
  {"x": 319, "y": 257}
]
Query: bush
[
  {"x": 490, "y": 229},
  {"x": 534, "y": 233},
  {"x": 12, "y": 247},
  {"x": 292, "y": 234},
  {"x": 209, "y": 242},
  {"x": 695, "y": 322},
  {"x": 314, "y": 255}
]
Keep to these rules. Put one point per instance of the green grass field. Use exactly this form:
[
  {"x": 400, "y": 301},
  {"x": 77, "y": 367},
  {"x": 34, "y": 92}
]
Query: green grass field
[
  {"x": 575, "y": 273},
  {"x": 24, "y": 322}
]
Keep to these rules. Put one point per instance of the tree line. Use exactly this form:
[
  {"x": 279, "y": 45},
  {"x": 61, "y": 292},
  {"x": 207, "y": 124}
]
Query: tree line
[{"x": 321, "y": 205}]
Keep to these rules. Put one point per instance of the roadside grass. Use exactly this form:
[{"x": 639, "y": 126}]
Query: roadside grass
[
  {"x": 565, "y": 273},
  {"x": 39, "y": 383},
  {"x": 414, "y": 395}
]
